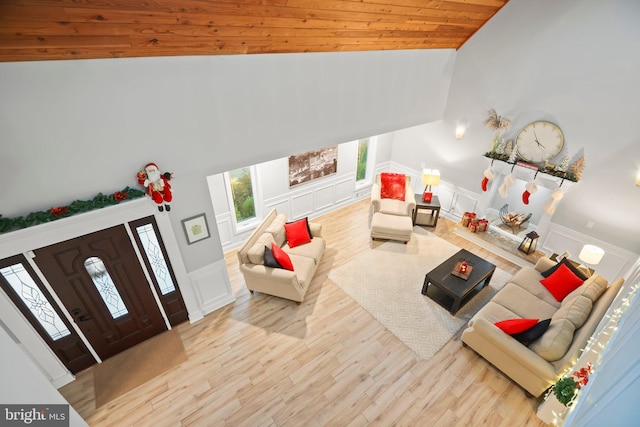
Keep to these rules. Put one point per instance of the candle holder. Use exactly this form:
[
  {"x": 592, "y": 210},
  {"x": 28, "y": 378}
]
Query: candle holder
[
  {"x": 462, "y": 269},
  {"x": 529, "y": 243}
]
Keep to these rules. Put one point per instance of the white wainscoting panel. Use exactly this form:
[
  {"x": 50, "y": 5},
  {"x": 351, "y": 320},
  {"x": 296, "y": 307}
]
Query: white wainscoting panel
[
  {"x": 463, "y": 202},
  {"x": 281, "y": 205},
  {"x": 301, "y": 205},
  {"x": 212, "y": 286},
  {"x": 225, "y": 228},
  {"x": 324, "y": 197},
  {"x": 344, "y": 190},
  {"x": 446, "y": 196}
]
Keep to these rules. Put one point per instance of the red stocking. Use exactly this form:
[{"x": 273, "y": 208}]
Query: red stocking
[
  {"x": 530, "y": 188},
  {"x": 489, "y": 174}
]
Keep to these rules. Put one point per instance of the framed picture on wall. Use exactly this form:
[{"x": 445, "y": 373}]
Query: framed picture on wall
[
  {"x": 196, "y": 228},
  {"x": 312, "y": 165}
]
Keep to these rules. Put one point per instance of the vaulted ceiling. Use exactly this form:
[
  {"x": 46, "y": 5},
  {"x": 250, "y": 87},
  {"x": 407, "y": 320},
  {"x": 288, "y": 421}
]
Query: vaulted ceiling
[{"x": 38, "y": 30}]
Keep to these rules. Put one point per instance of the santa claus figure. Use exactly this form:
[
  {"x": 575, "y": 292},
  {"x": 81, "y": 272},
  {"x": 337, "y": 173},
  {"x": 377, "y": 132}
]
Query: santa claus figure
[{"x": 157, "y": 185}]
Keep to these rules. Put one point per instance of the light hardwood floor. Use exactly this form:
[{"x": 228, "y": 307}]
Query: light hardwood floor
[{"x": 265, "y": 361}]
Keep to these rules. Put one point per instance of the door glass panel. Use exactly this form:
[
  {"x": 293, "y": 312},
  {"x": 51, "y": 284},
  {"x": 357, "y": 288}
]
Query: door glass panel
[
  {"x": 107, "y": 289},
  {"x": 26, "y": 288},
  {"x": 156, "y": 259}
]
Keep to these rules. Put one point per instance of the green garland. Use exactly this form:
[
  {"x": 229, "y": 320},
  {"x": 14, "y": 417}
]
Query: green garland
[{"x": 76, "y": 207}]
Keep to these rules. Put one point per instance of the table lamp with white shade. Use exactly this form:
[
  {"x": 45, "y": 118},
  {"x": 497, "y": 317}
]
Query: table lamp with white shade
[
  {"x": 429, "y": 177},
  {"x": 590, "y": 255}
]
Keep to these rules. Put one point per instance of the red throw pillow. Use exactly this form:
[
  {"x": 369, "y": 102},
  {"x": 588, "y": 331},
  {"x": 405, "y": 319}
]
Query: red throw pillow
[
  {"x": 392, "y": 186},
  {"x": 282, "y": 257},
  {"x": 561, "y": 282},
  {"x": 297, "y": 232},
  {"x": 515, "y": 326}
]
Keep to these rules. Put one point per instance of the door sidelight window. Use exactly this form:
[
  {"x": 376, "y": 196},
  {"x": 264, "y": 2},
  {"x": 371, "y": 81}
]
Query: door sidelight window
[
  {"x": 152, "y": 250},
  {"x": 27, "y": 290}
]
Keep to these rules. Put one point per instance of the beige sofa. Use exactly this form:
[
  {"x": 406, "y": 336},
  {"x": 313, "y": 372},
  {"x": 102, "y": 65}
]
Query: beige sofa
[
  {"x": 279, "y": 282},
  {"x": 573, "y": 321}
]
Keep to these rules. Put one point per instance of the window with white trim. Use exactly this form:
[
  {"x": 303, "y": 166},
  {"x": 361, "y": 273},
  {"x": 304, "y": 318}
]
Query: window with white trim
[
  {"x": 241, "y": 191},
  {"x": 365, "y": 161}
]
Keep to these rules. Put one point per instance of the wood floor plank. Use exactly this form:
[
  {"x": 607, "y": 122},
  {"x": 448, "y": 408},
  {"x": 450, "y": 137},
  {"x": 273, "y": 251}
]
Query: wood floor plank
[{"x": 265, "y": 361}]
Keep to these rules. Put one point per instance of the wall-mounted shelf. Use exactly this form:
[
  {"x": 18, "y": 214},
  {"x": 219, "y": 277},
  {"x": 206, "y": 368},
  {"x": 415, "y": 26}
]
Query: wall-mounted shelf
[{"x": 501, "y": 163}]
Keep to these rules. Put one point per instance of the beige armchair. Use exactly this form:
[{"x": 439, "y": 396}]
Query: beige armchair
[
  {"x": 391, "y": 206},
  {"x": 392, "y": 219}
]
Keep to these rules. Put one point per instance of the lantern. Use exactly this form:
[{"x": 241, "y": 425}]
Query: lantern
[{"x": 529, "y": 243}]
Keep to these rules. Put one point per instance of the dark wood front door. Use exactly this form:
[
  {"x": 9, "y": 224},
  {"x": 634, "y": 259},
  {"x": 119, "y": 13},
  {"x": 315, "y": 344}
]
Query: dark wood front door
[{"x": 99, "y": 280}]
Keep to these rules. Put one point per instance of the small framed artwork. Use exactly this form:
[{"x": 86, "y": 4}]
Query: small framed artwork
[{"x": 196, "y": 228}]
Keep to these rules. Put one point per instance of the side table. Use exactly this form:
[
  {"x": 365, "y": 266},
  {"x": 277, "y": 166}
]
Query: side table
[{"x": 433, "y": 206}]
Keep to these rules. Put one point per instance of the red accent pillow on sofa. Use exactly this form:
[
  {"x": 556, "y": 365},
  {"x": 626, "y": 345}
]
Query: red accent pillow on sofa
[
  {"x": 515, "y": 326},
  {"x": 392, "y": 186},
  {"x": 282, "y": 257},
  {"x": 561, "y": 282},
  {"x": 297, "y": 232}
]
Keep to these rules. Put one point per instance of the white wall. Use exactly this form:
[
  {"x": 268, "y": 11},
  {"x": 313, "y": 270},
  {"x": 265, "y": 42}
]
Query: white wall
[
  {"x": 28, "y": 385},
  {"x": 72, "y": 129},
  {"x": 574, "y": 63}
]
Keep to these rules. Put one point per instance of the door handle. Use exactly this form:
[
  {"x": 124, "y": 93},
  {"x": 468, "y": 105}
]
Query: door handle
[{"x": 80, "y": 317}]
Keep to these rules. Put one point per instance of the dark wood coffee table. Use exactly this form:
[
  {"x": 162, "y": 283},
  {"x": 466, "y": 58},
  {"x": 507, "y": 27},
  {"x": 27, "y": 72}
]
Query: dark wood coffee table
[{"x": 453, "y": 292}]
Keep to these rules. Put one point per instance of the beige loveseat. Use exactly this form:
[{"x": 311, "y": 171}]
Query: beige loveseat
[
  {"x": 573, "y": 321},
  {"x": 279, "y": 282}
]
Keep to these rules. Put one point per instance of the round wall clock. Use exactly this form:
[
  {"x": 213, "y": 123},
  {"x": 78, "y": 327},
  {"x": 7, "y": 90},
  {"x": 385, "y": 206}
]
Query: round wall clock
[{"x": 537, "y": 142}]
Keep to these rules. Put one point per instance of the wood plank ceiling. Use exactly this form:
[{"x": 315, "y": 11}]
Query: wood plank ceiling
[{"x": 39, "y": 30}]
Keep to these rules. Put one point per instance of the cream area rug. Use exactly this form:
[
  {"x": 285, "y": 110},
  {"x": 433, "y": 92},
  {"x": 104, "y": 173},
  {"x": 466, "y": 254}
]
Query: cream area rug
[
  {"x": 387, "y": 282},
  {"x": 137, "y": 365}
]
